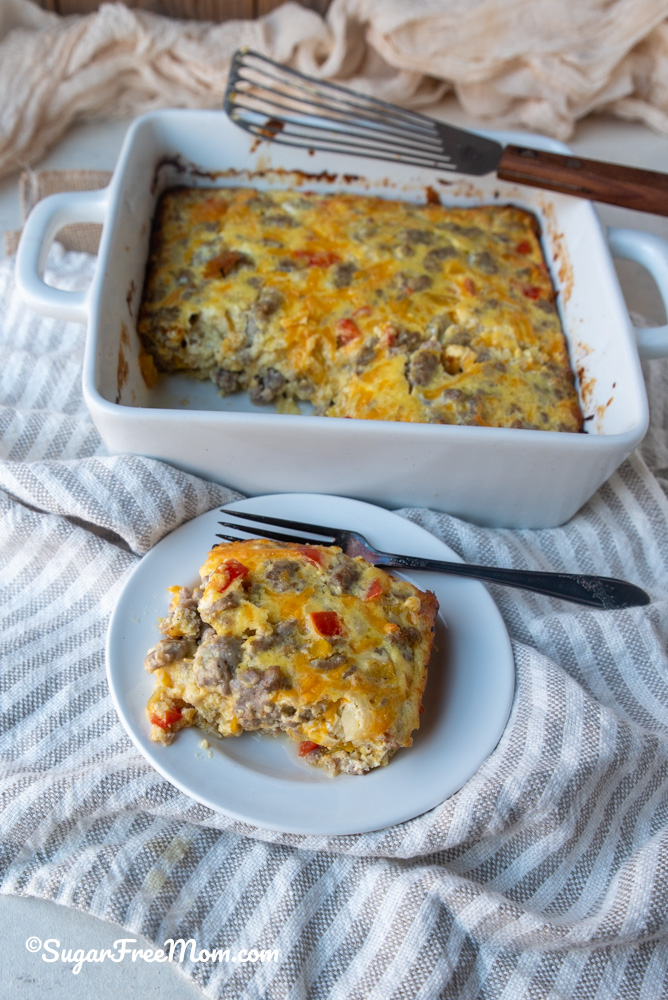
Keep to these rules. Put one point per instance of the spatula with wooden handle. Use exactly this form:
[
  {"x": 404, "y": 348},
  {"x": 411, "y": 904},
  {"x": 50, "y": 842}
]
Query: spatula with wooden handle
[{"x": 282, "y": 105}]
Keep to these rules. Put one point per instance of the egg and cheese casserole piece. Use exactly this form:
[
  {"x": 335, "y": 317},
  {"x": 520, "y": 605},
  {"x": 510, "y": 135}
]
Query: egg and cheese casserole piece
[
  {"x": 297, "y": 639},
  {"x": 362, "y": 306}
]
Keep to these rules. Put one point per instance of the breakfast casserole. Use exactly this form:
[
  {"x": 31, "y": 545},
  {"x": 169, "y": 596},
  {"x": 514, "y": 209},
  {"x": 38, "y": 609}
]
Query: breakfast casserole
[
  {"x": 299, "y": 639},
  {"x": 360, "y": 306}
]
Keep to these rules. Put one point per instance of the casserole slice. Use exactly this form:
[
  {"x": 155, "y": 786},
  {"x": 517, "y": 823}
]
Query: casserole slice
[{"x": 296, "y": 639}]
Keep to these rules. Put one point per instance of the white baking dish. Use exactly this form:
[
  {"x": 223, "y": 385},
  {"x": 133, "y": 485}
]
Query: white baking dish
[{"x": 494, "y": 476}]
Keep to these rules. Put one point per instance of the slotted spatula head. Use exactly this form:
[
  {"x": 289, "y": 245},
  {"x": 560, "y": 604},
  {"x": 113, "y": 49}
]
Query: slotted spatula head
[{"x": 282, "y": 105}]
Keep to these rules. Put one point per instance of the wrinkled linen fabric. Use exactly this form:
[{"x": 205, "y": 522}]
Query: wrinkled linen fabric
[
  {"x": 546, "y": 875},
  {"x": 536, "y": 64}
]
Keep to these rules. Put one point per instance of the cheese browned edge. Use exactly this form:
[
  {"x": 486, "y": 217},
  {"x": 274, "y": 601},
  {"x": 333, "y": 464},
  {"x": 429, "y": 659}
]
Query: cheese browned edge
[
  {"x": 297, "y": 639},
  {"x": 362, "y": 306}
]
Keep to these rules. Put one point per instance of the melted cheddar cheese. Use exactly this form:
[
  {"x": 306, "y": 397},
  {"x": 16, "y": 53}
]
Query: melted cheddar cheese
[
  {"x": 295, "y": 639},
  {"x": 361, "y": 306}
]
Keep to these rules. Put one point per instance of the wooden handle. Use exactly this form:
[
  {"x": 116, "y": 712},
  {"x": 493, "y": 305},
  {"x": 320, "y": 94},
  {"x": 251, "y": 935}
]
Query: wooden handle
[{"x": 642, "y": 190}]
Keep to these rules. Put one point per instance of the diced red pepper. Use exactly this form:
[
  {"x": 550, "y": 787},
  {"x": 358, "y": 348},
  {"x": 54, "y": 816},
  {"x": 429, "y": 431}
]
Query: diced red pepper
[
  {"x": 171, "y": 716},
  {"x": 523, "y": 247},
  {"x": 306, "y": 746},
  {"x": 346, "y": 330},
  {"x": 374, "y": 591},
  {"x": 469, "y": 285},
  {"x": 312, "y": 554},
  {"x": 327, "y": 623},
  {"x": 318, "y": 258},
  {"x": 532, "y": 291},
  {"x": 230, "y": 571},
  {"x": 363, "y": 311}
]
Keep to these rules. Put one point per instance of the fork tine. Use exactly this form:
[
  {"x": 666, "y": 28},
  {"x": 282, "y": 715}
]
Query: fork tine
[
  {"x": 281, "y": 522},
  {"x": 261, "y": 532}
]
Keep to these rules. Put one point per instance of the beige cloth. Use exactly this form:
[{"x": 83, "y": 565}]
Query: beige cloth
[
  {"x": 35, "y": 185},
  {"x": 539, "y": 64}
]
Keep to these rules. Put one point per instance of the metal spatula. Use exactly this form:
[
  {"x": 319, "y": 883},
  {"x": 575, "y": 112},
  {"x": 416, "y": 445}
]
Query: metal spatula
[{"x": 282, "y": 105}]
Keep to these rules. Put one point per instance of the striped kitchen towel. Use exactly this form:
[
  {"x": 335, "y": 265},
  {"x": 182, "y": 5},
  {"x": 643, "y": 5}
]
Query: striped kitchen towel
[{"x": 545, "y": 876}]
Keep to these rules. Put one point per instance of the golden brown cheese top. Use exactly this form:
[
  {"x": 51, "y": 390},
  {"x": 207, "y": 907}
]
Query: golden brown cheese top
[
  {"x": 301, "y": 639},
  {"x": 356, "y": 627},
  {"x": 364, "y": 306}
]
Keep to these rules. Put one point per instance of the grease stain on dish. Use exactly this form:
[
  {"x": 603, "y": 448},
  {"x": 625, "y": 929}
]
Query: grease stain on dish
[{"x": 123, "y": 368}]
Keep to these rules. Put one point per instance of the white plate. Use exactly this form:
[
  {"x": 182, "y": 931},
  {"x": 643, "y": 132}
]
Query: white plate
[{"x": 260, "y": 779}]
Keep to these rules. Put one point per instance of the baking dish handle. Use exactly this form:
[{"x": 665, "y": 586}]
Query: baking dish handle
[
  {"x": 652, "y": 252},
  {"x": 45, "y": 220}
]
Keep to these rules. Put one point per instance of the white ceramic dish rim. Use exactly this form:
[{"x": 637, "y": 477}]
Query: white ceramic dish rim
[
  {"x": 655, "y": 340},
  {"x": 464, "y": 719}
]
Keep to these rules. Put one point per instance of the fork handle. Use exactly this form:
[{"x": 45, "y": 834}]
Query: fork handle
[
  {"x": 630, "y": 187},
  {"x": 595, "y": 591}
]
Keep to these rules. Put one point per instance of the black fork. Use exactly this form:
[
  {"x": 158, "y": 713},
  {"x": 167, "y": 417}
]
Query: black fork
[{"x": 602, "y": 592}]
